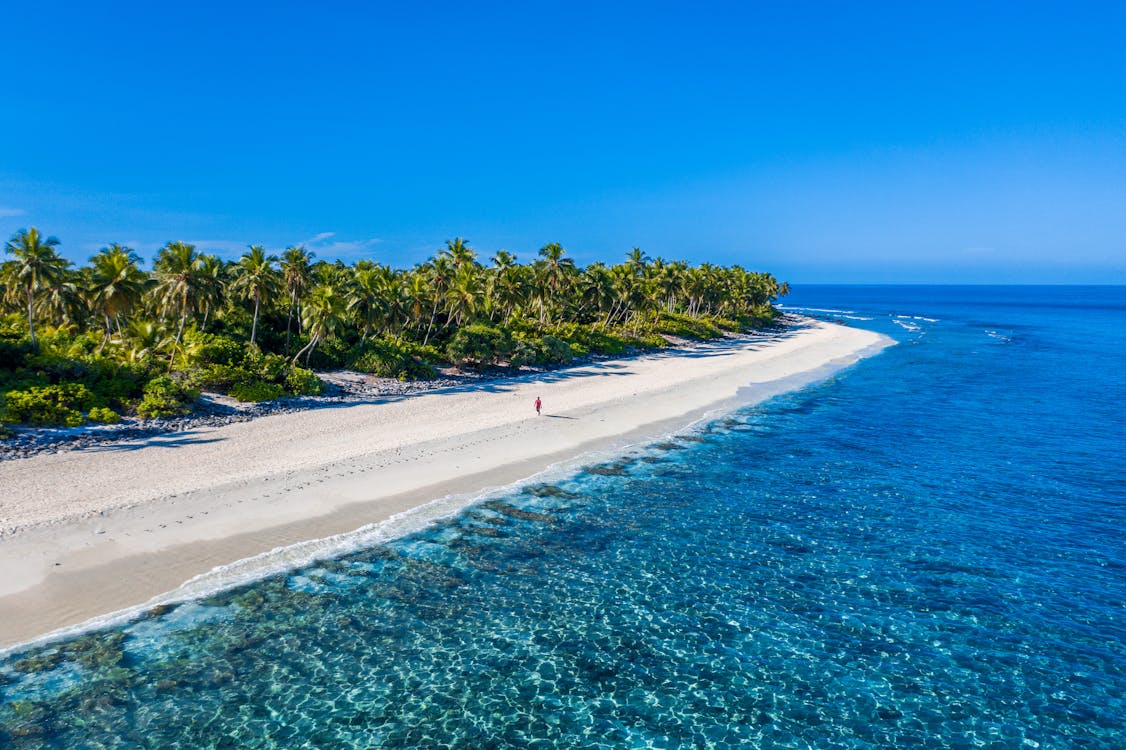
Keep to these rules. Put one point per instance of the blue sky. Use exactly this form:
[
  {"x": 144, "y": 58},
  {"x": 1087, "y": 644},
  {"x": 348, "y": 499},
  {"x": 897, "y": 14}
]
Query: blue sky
[{"x": 826, "y": 142}]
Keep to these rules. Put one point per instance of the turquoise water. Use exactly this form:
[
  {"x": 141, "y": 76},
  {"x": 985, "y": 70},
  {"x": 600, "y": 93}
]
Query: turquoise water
[{"x": 926, "y": 550}]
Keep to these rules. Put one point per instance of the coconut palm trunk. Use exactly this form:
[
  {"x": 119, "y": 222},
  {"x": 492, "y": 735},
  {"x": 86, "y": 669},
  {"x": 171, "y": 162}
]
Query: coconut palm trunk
[
  {"x": 430, "y": 326},
  {"x": 31, "y": 313},
  {"x": 179, "y": 333},
  {"x": 289, "y": 321},
  {"x": 254, "y": 325},
  {"x": 109, "y": 332}
]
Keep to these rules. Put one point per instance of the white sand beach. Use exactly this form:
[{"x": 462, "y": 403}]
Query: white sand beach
[{"x": 88, "y": 532}]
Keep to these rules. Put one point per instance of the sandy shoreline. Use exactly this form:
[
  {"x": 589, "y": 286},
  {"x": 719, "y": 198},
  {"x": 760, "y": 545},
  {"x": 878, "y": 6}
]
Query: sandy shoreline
[{"x": 92, "y": 532}]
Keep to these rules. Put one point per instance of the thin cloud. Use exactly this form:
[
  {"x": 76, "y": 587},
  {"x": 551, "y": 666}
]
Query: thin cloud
[
  {"x": 8, "y": 213},
  {"x": 319, "y": 238},
  {"x": 327, "y": 248}
]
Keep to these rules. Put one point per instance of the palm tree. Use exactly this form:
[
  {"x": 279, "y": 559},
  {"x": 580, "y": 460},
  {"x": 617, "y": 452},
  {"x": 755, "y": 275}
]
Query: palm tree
[
  {"x": 295, "y": 265},
  {"x": 596, "y": 290},
  {"x": 213, "y": 286},
  {"x": 637, "y": 260},
  {"x": 63, "y": 302},
  {"x": 146, "y": 338},
  {"x": 116, "y": 285},
  {"x": 37, "y": 266},
  {"x": 439, "y": 274},
  {"x": 366, "y": 300},
  {"x": 255, "y": 278},
  {"x": 628, "y": 289},
  {"x": 323, "y": 316},
  {"x": 459, "y": 253},
  {"x": 179, "y": 285},
  {"x": 463, "y": 295},
  {"x": 503, "y": 259},
  {"x": 669, "y": 280},
  {"x": 416, "y": 298},
  {"x": 508, "y": 289},
  {"x": 554, "y": 275}
]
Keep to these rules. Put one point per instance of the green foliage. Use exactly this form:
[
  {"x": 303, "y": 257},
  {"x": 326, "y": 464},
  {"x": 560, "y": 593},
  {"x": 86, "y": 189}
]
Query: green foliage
[
  {"x": 685, "y": 326},
  {"x": 590, "y": 339},
  {"x": 164, "y": 397},
  {"x": 55, "y": 368},
  {"x": 541, "y": 350},
  {"x": 388, "y": 359},
  {"x": 648, "y": 341},
  {"x": 257, "y": 391},
  {"x": 554, "y": 351},
  {"x": 245, "y": 372},
  {"x": 523, "y": 353},
  {"x": 5, "y": 433},
  {"x": 219, "y": 377},
  {"x": 479, "y": 344},
  {"x": 268, "y": 367},
  {"x": 114, "y": 382},
  {"x": 329, "y": 355},
  {"x": 429, "y": 354},
  {"x": 212, "y": 349},
  {"x": 302, "y": 382},
  {"x": 102, "y": 415},
  {"x": 115, "y": 329},
  {"x": 49, "y": 405}
]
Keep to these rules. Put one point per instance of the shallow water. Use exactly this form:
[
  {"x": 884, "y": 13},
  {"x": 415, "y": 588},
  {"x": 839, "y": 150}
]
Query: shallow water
[{"x": 925, "y": 550}]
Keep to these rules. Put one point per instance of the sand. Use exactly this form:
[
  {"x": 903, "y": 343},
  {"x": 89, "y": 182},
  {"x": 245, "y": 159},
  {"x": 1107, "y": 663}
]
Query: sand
[{"x": 90, "y": 532}]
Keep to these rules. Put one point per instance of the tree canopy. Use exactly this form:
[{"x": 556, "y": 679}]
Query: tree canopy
[{"x": 294, "y": 308}]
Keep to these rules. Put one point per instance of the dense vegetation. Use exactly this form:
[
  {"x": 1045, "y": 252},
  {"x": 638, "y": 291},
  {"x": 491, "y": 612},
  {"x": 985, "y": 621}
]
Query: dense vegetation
[{"x": 93, "y": 343}]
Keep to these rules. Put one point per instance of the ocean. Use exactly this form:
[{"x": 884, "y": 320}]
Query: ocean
[{"x": 928, "y": 549}]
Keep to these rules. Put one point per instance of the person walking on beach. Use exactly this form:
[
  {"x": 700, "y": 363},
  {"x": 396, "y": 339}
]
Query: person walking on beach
[{"x": 538, "y": 404}]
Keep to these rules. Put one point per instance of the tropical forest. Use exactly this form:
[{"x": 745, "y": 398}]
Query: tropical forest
[{"x": 112, "y": 339}]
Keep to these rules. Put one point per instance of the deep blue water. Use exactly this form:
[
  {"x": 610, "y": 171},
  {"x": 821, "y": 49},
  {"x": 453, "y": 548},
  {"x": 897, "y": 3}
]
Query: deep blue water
[{"x": 926, "y": 550}]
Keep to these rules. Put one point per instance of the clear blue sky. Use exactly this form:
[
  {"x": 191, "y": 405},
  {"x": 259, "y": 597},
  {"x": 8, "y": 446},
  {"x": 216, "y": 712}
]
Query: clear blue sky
[{"x": 827, "y": 142}]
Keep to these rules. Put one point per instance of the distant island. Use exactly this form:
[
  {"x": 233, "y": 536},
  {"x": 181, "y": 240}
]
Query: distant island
[{"x": 109, "y": 339}]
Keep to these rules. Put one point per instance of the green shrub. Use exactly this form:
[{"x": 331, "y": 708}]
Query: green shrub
[
  {"x": 385, "y": 359},
  {"x": 329, "y": 355},
  {"x": 5, "y": 433},
  {"x": 555, "y": 351},
  {"x": 269, "y": 367},
  {"x": 61, "y": 404},
  {"x": 102, "y": 415},
  {"x": 302, "y": 382},
  {"x": 115, "y": 382},
  {"x": 727, "y": 324},
  {"x": 649, "y": 341},
  {"x": 585, "y": 339},
  {"x": 56, "y": 368},
  {"x": 212, "y": 349},
  {"x": 257, "y": 391},
  {"x": 164, "y": 397},
  {"x": 219, "y": 377},
  {"x": 545, "y": 350},
  {"x": 523, "y": 353},
  {"x": 78, "y": 346},
  {"x": 429, "y": 354},
  {"x": 685, "y": 326},
  {"x": 479, "y": 344}
]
